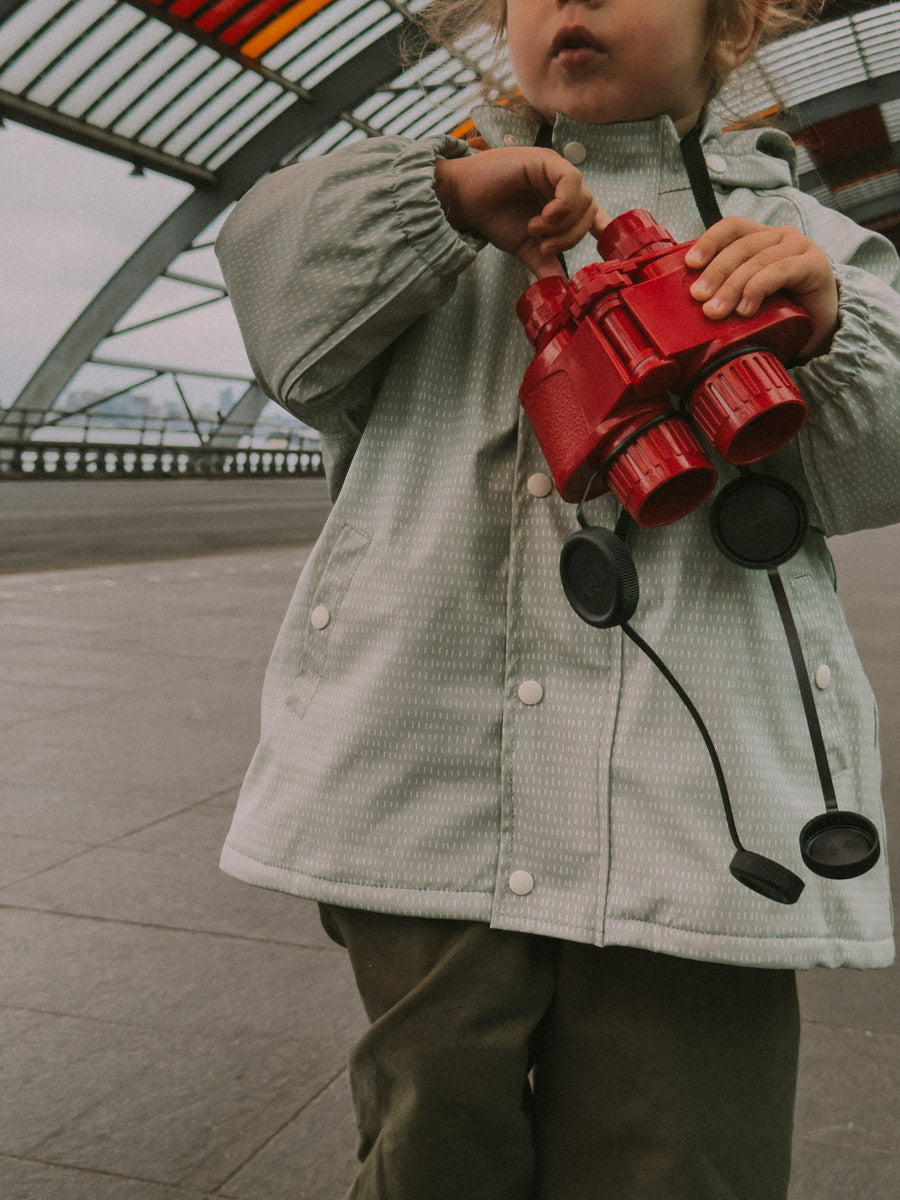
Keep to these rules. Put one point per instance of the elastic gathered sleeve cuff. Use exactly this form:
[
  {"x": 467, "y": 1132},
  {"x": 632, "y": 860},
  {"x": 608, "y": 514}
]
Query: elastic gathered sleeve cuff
[
  {"x": 327, "y": 262},
  {"x": 845, "y": 458}
]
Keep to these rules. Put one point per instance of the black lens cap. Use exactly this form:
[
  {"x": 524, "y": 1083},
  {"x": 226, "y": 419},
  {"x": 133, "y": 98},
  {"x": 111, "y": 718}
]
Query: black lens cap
[
  {"x": 599, "y": 577},
  {"x": 840, "y": 845},
  {"x": 758, "y": 521},
  {"x": 766, "y": 877}
]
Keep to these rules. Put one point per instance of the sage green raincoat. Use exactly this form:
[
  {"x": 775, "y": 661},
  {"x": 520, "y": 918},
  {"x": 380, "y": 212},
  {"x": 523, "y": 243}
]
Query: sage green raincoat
[{"x": 441, "y": 734}]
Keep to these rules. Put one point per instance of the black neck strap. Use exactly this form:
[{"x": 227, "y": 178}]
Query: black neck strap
[
  {"x": 698, "y": 175},
  {"x": 708, "y": 207}
]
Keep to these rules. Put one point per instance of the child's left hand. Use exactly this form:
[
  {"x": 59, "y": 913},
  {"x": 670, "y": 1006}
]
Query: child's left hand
[{"x": 743, "y": 262}]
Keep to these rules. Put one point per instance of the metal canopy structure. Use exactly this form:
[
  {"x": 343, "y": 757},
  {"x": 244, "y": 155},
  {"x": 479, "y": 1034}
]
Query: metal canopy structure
[{"x": 216, "y": 93}]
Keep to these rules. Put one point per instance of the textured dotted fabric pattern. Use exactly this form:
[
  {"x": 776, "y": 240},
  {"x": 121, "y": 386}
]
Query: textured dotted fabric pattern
[{"x": 441, "y": 735}]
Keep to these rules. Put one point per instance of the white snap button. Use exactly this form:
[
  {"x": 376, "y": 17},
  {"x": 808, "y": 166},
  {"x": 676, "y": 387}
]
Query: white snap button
[
  {"x": 823, "y": 676},
  {"x": 319, "y": 617},
  {"x": 539, "y": 484},
  {"x": 510, "y": 139},
  {"x": 530, "y": 692},
  {"x": 521, "y": 883},
  {"x": 575, "y": 153},
  {"x": 716, "y": 163}
]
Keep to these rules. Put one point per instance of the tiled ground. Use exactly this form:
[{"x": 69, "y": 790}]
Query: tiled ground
[{"x": 167, "y": 1032}]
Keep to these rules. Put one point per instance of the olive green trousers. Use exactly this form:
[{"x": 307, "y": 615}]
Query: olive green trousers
[{"x": 508, "y": 1066}]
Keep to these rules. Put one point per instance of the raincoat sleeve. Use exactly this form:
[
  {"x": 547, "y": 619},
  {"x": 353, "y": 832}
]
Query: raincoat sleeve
[
  {"x": 846, "y": 458},
  {"x": 328, "y": 261}
]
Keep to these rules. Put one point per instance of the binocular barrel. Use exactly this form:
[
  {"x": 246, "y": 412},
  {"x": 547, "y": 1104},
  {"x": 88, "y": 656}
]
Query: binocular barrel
[{"x": 627, "y": 363}]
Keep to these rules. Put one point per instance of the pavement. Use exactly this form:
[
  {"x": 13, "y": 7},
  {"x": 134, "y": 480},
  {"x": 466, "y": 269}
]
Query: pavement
[{"x": 166, "y": 1032}]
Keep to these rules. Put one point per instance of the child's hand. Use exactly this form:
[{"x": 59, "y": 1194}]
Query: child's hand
[
  {"x": 743, "y": 262},
  {"x": 526, "y": 200}
]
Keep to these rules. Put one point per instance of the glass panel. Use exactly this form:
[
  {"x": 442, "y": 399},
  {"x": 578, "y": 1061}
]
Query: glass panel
[
  {"x": 288, "y": 49},
  {"x": 891, "y": 115},
  {"x": 141, "y": 41},
  {"x": 217, "y": 106},
  {"x": 243, "y": 136},
  {"x": 866, "y": 191},
  {"x": 879, "y": 35},
  {"x": 51, "y": 42},
  {"x": 140, "y": 75},
  {"x": 190, "y": 85},
  {"x": 176, "y": 65},
  {"x": 236, "y": 116},
  {"x": 358, "y": 44},
  {"x": 25, "y": 22},
  {"x": 339, "y": 39},
  {"x": 162, "y": 132},
  {"x": 86, "y": 54}
]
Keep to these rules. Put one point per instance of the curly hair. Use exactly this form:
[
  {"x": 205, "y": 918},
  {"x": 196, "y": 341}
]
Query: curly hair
[{"x": 447, "y": 21}]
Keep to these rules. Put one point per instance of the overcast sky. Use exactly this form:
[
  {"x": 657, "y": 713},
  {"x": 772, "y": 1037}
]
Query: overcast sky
[{"x": 68, "y": 218}]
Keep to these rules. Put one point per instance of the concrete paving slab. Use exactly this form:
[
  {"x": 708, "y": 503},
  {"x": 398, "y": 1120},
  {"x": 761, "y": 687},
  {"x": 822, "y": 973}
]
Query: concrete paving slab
[
  {"x": 166, "y": 1031},
  {"x": 285, "y": 1170},
  {"x": 851, "y": 1076},
  {"x": 163, "y": 1106},
  {"x": 151, "y": 737},
  {"x": 167, "y": 874},
  {"x": 21, "y": 1180},
  {"x": 21, "y": 857},
  {"x": 92, "y": 809},
  {"x": 161, "y": 979},
  {"x": 838, "y": 1172}
]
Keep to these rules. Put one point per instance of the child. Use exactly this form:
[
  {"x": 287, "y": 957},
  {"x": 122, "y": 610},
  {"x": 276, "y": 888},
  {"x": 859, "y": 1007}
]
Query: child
[{"x": 507, "y": 816}]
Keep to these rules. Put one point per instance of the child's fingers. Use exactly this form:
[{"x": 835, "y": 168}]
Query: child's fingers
[
  {"x": 718, "y": 237},
  {"x": 758, "y": 262},
  {"x": 733, "y": 262}
]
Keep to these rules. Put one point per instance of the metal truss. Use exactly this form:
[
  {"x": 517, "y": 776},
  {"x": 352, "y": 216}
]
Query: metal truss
[{"x": 104, "y": 317}]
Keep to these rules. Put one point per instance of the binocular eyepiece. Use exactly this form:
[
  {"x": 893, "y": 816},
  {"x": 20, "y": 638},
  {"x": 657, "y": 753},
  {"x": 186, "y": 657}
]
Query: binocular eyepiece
[{"x": 622, "y": 340}]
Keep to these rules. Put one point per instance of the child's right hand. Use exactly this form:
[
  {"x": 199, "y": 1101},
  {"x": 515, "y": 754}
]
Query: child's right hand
[{"x": 526, "y": 200}]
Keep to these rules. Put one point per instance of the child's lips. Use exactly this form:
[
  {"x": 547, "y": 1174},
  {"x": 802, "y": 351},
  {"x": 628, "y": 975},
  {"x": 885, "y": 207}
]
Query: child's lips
[
  {"x": 574, "y": 47},
  {"x": 575, "y": 57}
]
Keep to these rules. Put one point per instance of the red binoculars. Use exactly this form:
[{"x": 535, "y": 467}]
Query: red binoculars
[{"x": 622, "y": 339}]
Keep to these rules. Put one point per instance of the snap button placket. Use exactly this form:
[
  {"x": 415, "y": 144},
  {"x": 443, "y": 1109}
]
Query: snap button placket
[
  {"x": 319, "y": 617},
  {"x": 521, "y": 883},
  {"x": 575, "y": 153},
  {"x": 530, "y": 692}
]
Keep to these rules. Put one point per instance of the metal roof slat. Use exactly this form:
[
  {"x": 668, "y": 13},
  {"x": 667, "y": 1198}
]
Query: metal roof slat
[
  {"x": 236, "y": 116},
  {"x": 44, "y": 45},
  {"x": 27, "y": 23},
  {"x": 281, "y": 26},
  {"x": 252, "y": 19},
  {"x": 285, "y": 52},
  {"x": 157, "y": 106},
  {"x": 118, "y": 98},
  {"x": 413, "y": 112},
  {"x": 217, "y": 12},
  {"x": 184, "y": 103},
  {"x": 35, "y": 87},
  {"x": 118, "y": 28},
  {"x": 116, "y": 63},
  {"x": 446, "y": 118},
  {"x": 243, "y": 135},
  {"x": 891, "y": 115},
  {"x": 171, "y": 57},
  {"x": 879, "y": 35},
  {"x": 202, "y": 119},
  {"x": 88, "y": 54},
  {"x": 333, "y": 39},
  {"x": 371, "y": 24}
]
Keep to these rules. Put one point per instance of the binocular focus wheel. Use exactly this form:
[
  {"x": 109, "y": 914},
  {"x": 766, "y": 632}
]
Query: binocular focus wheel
[
  {"x": 599, "y": 577},
  {"x": 766, "y": 877},
  {"x": 758, "y": 521},
  {"x": 840, "y": 845}
]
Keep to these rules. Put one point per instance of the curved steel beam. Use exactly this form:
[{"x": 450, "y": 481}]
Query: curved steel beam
[{"x": 303, "y": 121}]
